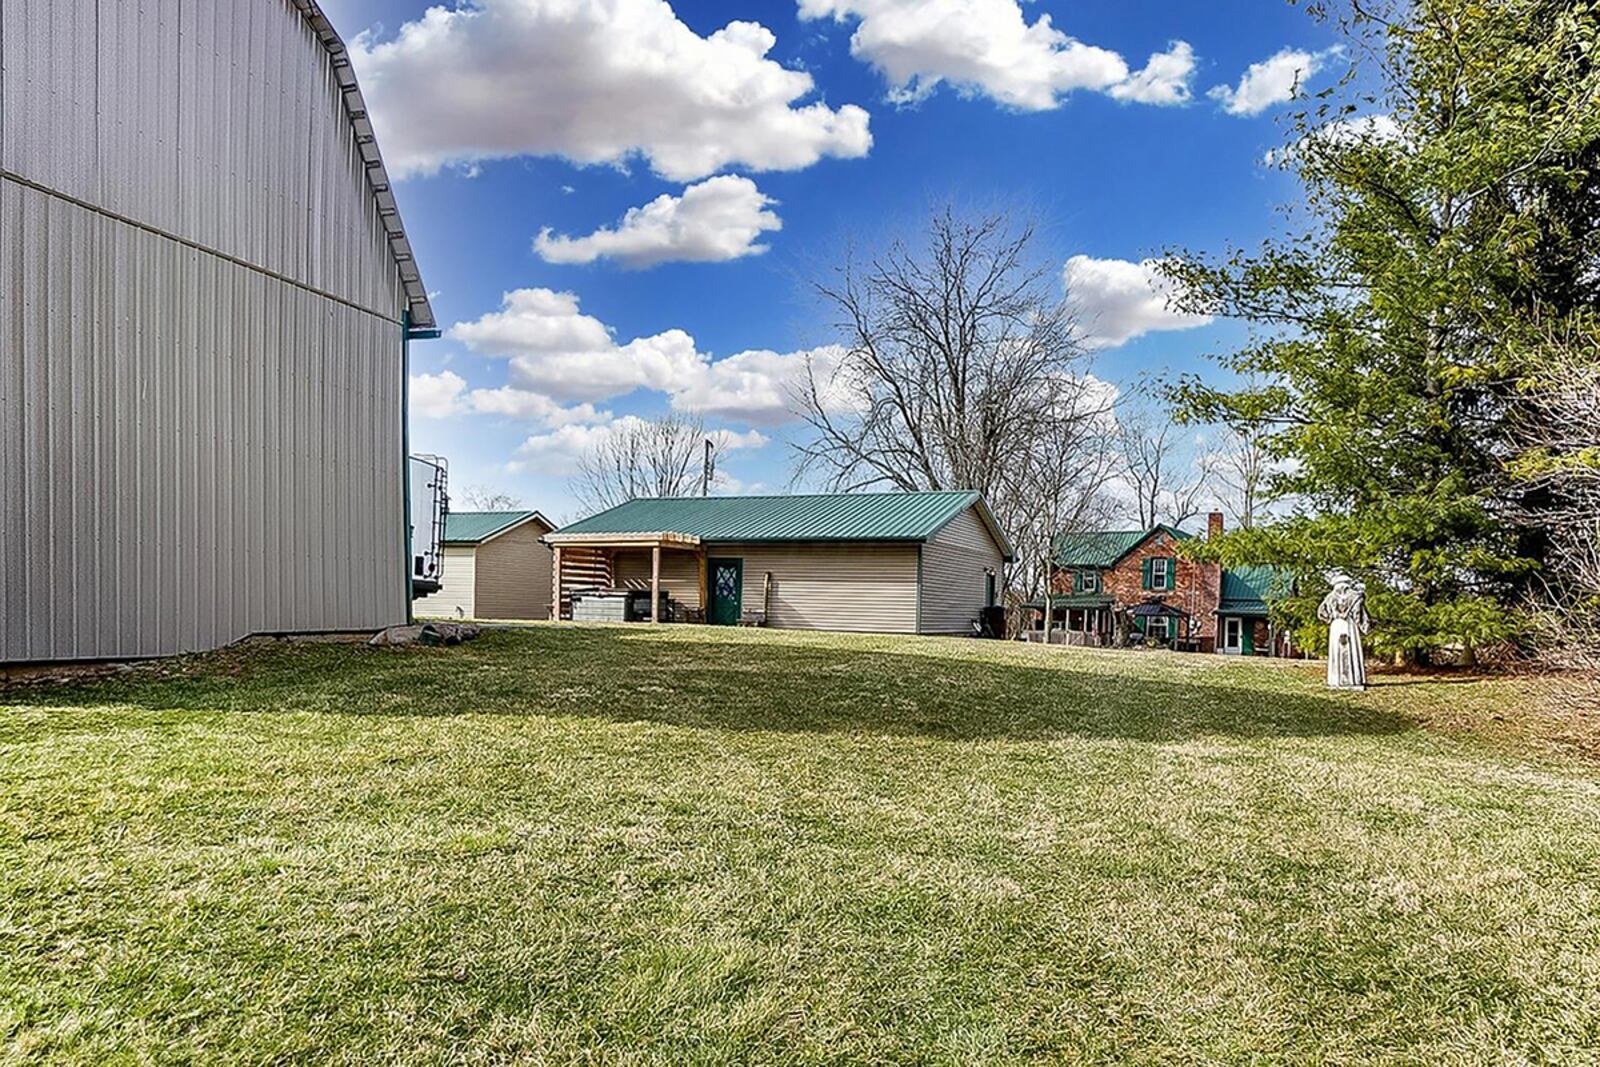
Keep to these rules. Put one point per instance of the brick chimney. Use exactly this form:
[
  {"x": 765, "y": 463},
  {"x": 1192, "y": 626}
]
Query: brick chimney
[{"x": 1214, "y": 525}]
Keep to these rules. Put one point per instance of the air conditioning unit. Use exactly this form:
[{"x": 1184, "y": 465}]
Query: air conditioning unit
[{"x": 430, "y": 503}]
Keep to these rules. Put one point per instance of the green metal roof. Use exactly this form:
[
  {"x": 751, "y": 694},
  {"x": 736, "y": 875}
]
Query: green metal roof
[
  {"x": 824, "y": 517},
  {"x": 1246, "y": 590},
  {"x": 1102, "y": 548},
  {"x": 474, "y": 527}
]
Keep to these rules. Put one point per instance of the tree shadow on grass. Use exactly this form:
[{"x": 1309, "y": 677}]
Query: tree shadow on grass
[{"x": 737, "y": 685}]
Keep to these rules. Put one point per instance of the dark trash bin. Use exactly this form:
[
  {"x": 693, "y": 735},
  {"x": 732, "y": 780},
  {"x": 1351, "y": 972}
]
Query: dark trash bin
[
  {"x": 639, "y": 605},
  {"x": 992, "y": 622}
]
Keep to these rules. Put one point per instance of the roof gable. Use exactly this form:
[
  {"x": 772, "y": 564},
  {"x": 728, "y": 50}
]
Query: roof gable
[
  {"x": 821, "y": 517},
  {"x": 1105, "y": 548},
  {"x": 476, "y": 527}
]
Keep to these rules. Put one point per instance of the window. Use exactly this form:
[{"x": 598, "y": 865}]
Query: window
[
  {"x": 1088, "y": 581},
  {"x": 1158, "y": 626},
  {"x": 1161, "y": 573}
]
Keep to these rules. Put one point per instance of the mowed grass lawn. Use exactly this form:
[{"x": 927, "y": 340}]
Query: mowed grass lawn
[{"x": 688, "y": 845}]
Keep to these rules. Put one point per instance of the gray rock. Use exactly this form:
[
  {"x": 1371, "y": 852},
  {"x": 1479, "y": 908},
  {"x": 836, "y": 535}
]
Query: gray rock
[
  {"x": 397, "y": 635},
  {"x": 429, "y": 633}
]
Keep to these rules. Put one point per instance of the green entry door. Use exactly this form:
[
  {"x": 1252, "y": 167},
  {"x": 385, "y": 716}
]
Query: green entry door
[{"x": 726, "y": 581}]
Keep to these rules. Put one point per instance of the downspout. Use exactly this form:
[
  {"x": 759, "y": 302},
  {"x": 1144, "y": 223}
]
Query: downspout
[
  {"x": 916, "y": 624},
  {"x": 407, "y": 335}
]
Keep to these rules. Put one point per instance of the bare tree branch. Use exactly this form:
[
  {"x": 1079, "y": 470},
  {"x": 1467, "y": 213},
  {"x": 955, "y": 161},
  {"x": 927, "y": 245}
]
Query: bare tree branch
[
  {"x": 642, "y": 458},
  {"x": 961, "y": 369},
  {"x": 1241, "y": 466},
  {"x": 1152, "y": 463}
]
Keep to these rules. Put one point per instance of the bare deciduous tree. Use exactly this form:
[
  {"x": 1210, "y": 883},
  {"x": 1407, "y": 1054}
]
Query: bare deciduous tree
[
  {"x": 1241, "y": 467},
  {"x": 1061, "y": 483},
  {"x": 659, "y": 457},
  {"x": 483, "y": 498},
  {"x": 1556, "y": 428},
  {"x": 1168, "y": 485},
  {"x": 958, "y": 367}
]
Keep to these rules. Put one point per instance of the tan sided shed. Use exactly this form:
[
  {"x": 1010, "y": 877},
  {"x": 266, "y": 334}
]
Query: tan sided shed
[
  {"x": 872, "y": 562},
  {"x": 496, "y": 566}
]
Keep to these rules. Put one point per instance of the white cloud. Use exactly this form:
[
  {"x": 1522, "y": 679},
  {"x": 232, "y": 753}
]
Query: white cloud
[
  {"x": 987, "y": 47},
  {"x": 1364, "y": 129},
  {"x": 558, "y": 356},
  {"x": 595, "y": 81},
  {"x": 437, "y": 396},
  {"x": 444, "y": 395},
  {"x": 558, "y": 451},
  {"x": 1164, "y": 79},
  {"x": 556, "y": 350},
  {"x": 732, "y": 440},
  {"x": 718, "y": 219},
  {"x": 526, "y": 404},
  {"x": 1272, "y": 81},
  {"x": 760, "y": 386},
  {"x": 1118, "y": 300}
]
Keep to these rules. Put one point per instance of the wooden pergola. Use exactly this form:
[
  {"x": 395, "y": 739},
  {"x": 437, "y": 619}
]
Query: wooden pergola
[{"x": 585, "y": 561}]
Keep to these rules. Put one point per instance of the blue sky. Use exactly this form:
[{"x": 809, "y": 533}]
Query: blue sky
[{"x": 513, "y": 117}]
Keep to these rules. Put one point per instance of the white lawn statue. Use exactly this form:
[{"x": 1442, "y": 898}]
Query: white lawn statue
[{"x": 1344, "y": 609}]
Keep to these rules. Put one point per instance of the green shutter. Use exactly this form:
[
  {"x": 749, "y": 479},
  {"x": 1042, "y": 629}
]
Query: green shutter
[
  {"x": 1172, "y": 572},
  {"x": 1080, "y": 584},
  {"x": 1147, "y": 569}
]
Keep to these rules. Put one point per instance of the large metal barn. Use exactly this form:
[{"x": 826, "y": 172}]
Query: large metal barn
[{"x": 206, "y": 302}]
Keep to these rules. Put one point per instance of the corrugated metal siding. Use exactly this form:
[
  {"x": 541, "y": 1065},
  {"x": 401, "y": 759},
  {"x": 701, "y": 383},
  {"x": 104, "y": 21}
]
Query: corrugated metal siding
[
  {"x": 219, "y": 123},
  {"x": 456, "y": 598},
  {"x": 194, "y": 447},
  {"x": 868, "y": 588},
  {"x": 513, "y": 575},
  {"x": 205, "y": 452},
  {"x": 680, "y": 573},
  {"x": 955, "y": 564}
]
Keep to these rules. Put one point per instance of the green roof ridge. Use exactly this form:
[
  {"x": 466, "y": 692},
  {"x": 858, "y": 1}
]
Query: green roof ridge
[
  {"x": 876, "y": 516},
  {"x": 1103, "y": 548},
  {"x": 463, "y": 527}
]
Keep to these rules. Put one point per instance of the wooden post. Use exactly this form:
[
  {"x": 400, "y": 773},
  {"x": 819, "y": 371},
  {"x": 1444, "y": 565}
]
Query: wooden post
[
  {"x": 705, "y": 587},
  {"x": 555, "y": 583},
  {"x": 655, "y": 583}
]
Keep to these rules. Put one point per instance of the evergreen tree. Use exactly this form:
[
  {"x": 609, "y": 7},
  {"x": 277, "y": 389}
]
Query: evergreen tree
[{"x": 1453, "y": 228}]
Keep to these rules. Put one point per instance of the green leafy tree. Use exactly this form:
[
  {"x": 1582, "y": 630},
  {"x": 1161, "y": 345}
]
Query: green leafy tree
[{"x": 1449, "y": 217}]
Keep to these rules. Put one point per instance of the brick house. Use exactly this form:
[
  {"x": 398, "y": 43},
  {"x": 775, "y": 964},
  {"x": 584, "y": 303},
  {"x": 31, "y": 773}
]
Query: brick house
[{"x": 1114, "y": 586}]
